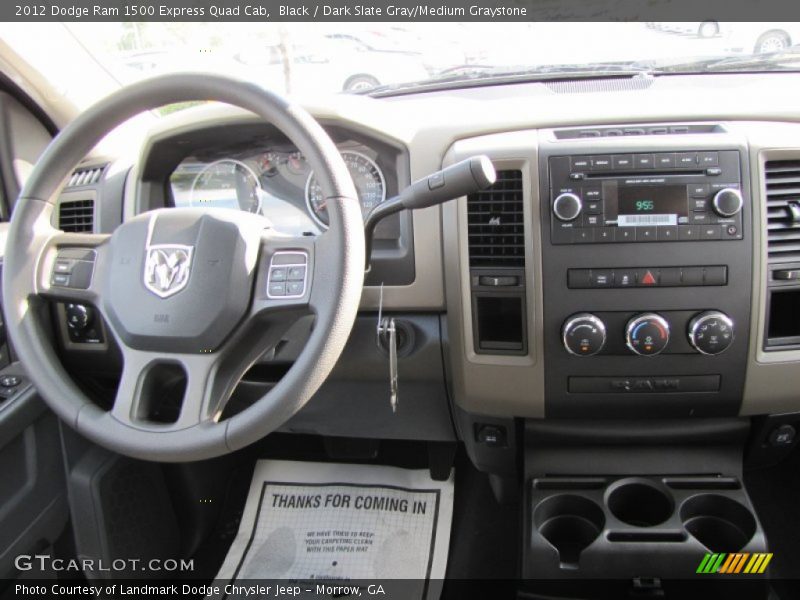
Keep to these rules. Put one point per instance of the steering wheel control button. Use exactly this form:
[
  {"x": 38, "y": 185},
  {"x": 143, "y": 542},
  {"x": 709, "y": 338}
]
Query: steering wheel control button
[
  {"x": 287, "y": 275},
  {"x": 711, "y": 332},
  {"x": 73, "y": 268},
  {"x": 277, "y": 274},
  {"x": 567, "y": 207},
  {"x": 297, "y": 273},
  {"x": 276, "y": 289},
  {"x": 60, "y": 279},
  {"x": 584, "y": 334},
  {"x": 647, "y": 334}
]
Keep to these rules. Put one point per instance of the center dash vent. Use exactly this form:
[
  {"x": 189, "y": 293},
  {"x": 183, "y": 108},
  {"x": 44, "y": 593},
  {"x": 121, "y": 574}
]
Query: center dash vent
[
  {"x": 76, "y": 216},
  {"x": 496, "y": 227},
  {"x": 783, "y": 210}
]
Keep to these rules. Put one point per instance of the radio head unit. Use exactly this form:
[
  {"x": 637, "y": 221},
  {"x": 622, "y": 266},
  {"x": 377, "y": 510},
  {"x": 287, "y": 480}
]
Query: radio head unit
[{"x": 661, "y": 196}]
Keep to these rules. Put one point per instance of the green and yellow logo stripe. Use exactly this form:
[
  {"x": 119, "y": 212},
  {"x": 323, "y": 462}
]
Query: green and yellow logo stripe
[{"x": 731, "y": 564}]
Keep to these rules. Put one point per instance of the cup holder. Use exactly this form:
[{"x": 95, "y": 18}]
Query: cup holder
[
  {"x": 570, "y": 523},
  {"x": 639, "y": 502},
  {"x": 717, "y": 522}
]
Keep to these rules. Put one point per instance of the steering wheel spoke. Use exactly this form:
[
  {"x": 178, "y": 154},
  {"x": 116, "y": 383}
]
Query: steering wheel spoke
[{"x": 165, "y": 393}]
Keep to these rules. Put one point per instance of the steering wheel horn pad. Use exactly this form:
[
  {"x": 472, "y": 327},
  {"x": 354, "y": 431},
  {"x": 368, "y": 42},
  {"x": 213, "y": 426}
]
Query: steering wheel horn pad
[{"x": 182, "y": 279}]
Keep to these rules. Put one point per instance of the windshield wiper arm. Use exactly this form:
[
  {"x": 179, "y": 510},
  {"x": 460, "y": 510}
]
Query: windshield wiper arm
[{"x": 481, "y": 75}]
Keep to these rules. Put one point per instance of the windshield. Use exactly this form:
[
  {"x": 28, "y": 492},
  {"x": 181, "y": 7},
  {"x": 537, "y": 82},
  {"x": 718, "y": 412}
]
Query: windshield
[{"x": 85, "y": 61}]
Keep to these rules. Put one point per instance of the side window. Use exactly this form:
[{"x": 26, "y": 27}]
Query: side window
[{"x": 23, "y": 138}]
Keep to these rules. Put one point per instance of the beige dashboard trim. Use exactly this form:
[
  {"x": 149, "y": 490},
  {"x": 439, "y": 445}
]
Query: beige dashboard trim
[
  {"x": 772, "y": 385},
  {"x": 491, "y": 384}
]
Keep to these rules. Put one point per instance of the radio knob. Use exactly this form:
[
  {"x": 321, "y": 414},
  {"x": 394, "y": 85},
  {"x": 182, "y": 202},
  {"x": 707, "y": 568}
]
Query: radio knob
[
  {"x": 567, "y": 207},
  {"x": 647, "y": 334},
  {"x": 584, "y": 334},
  {"x": 727, "y": 202},
  {"x": 711, "y": 332}
]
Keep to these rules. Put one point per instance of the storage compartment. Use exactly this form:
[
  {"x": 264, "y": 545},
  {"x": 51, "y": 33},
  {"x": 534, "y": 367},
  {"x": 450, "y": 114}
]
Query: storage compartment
[
  {"x": 639, "y": 502},
  {"x": 499, "y": 324},
  {"x": 570, "y": 523},
  {"x": 717, "y": 522},
  {"x": 783, "y": 318}
]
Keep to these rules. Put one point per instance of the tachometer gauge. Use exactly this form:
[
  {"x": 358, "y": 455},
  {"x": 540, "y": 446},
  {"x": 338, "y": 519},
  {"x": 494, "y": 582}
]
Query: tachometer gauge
[
  {"x": 227, "y": 183},
  {"x": 367, "y": 177}
]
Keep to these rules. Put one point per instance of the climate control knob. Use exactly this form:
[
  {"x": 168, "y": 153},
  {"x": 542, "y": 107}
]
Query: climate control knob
[
  {"x": 647, "y": 334},
  {"x": 567, "y": 207},
  {"x": 711, "y": 332},
  {"x": 584, "y": 334},
  {"x": 727, "y": 202}
]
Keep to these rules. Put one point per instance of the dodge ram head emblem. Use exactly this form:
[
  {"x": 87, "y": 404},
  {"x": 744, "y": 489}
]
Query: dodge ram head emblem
[{"x": 166, "y": 270}]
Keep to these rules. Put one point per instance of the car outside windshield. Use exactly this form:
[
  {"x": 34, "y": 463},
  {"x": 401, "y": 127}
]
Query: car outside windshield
[{"x": 85, "y": 61}]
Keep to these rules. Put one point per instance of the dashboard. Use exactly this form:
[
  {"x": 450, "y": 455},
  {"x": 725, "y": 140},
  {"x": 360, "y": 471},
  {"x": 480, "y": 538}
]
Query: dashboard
[{"x": 635, "y": 258}]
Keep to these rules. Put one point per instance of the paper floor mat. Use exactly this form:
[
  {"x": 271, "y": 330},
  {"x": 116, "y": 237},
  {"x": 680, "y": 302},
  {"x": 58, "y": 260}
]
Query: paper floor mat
[{"x": 312, "y": 522}]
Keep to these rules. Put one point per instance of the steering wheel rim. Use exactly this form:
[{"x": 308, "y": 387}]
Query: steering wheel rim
[{"x": 332, "y": 292}]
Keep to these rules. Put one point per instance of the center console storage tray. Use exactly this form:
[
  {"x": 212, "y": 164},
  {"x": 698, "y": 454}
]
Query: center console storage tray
[{"x": 626, "y": 527}]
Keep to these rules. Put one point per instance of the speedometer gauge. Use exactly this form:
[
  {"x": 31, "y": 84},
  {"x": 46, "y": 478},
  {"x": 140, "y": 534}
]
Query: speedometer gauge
[
  {"x": 227, "y": 183},
  {"x": 367, "y": 177}
]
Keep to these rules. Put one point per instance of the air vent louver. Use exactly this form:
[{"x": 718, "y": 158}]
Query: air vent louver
[
  {"x": 783, "y": 210},
  {"x": 495, "y": 219},
  {"x": 86, "y": 176},
  {"x": 76, "y": 216}
]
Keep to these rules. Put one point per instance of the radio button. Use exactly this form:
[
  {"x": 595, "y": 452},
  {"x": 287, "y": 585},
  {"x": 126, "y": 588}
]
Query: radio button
[
  {"x": 643, "y": 161},
  {"x": 688, "y": 233},
  {"x": 594, "y": 207},
  {"x": 622, "y": 161},
  {"x": 647, "y": 234},
  {"x": 626, "y": 234},
  {"x": 592, "y": 220},
  {"x": 592, "y": 193},
  {"x": 710, "y": 232},
  {"x": 699, "y": 204},
  {"x": 601, "y": 163},
  {"x": 605, "y": 234},
  {"x": 686, "y": 159},
  {"x": 581, "y": 163},
  {"x": 699, "y": 190},
  {"x": 665, "y": 160},
  {"x": 713, "y": 171},
  {"x": 668, "y": 233},
  {"x": 584, "y": 235},
  {"x": 699, "y": 217},
  {"x": 567, "y": 207},
  {"x": 708, "y": 159}
]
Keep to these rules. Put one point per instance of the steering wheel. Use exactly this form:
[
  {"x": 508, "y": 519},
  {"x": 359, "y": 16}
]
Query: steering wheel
[{"x": 202, "y": 292}]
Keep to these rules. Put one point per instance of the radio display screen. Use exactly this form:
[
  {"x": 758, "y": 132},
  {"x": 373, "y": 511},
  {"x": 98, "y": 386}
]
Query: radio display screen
[{"x": 650, "y": 204}]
